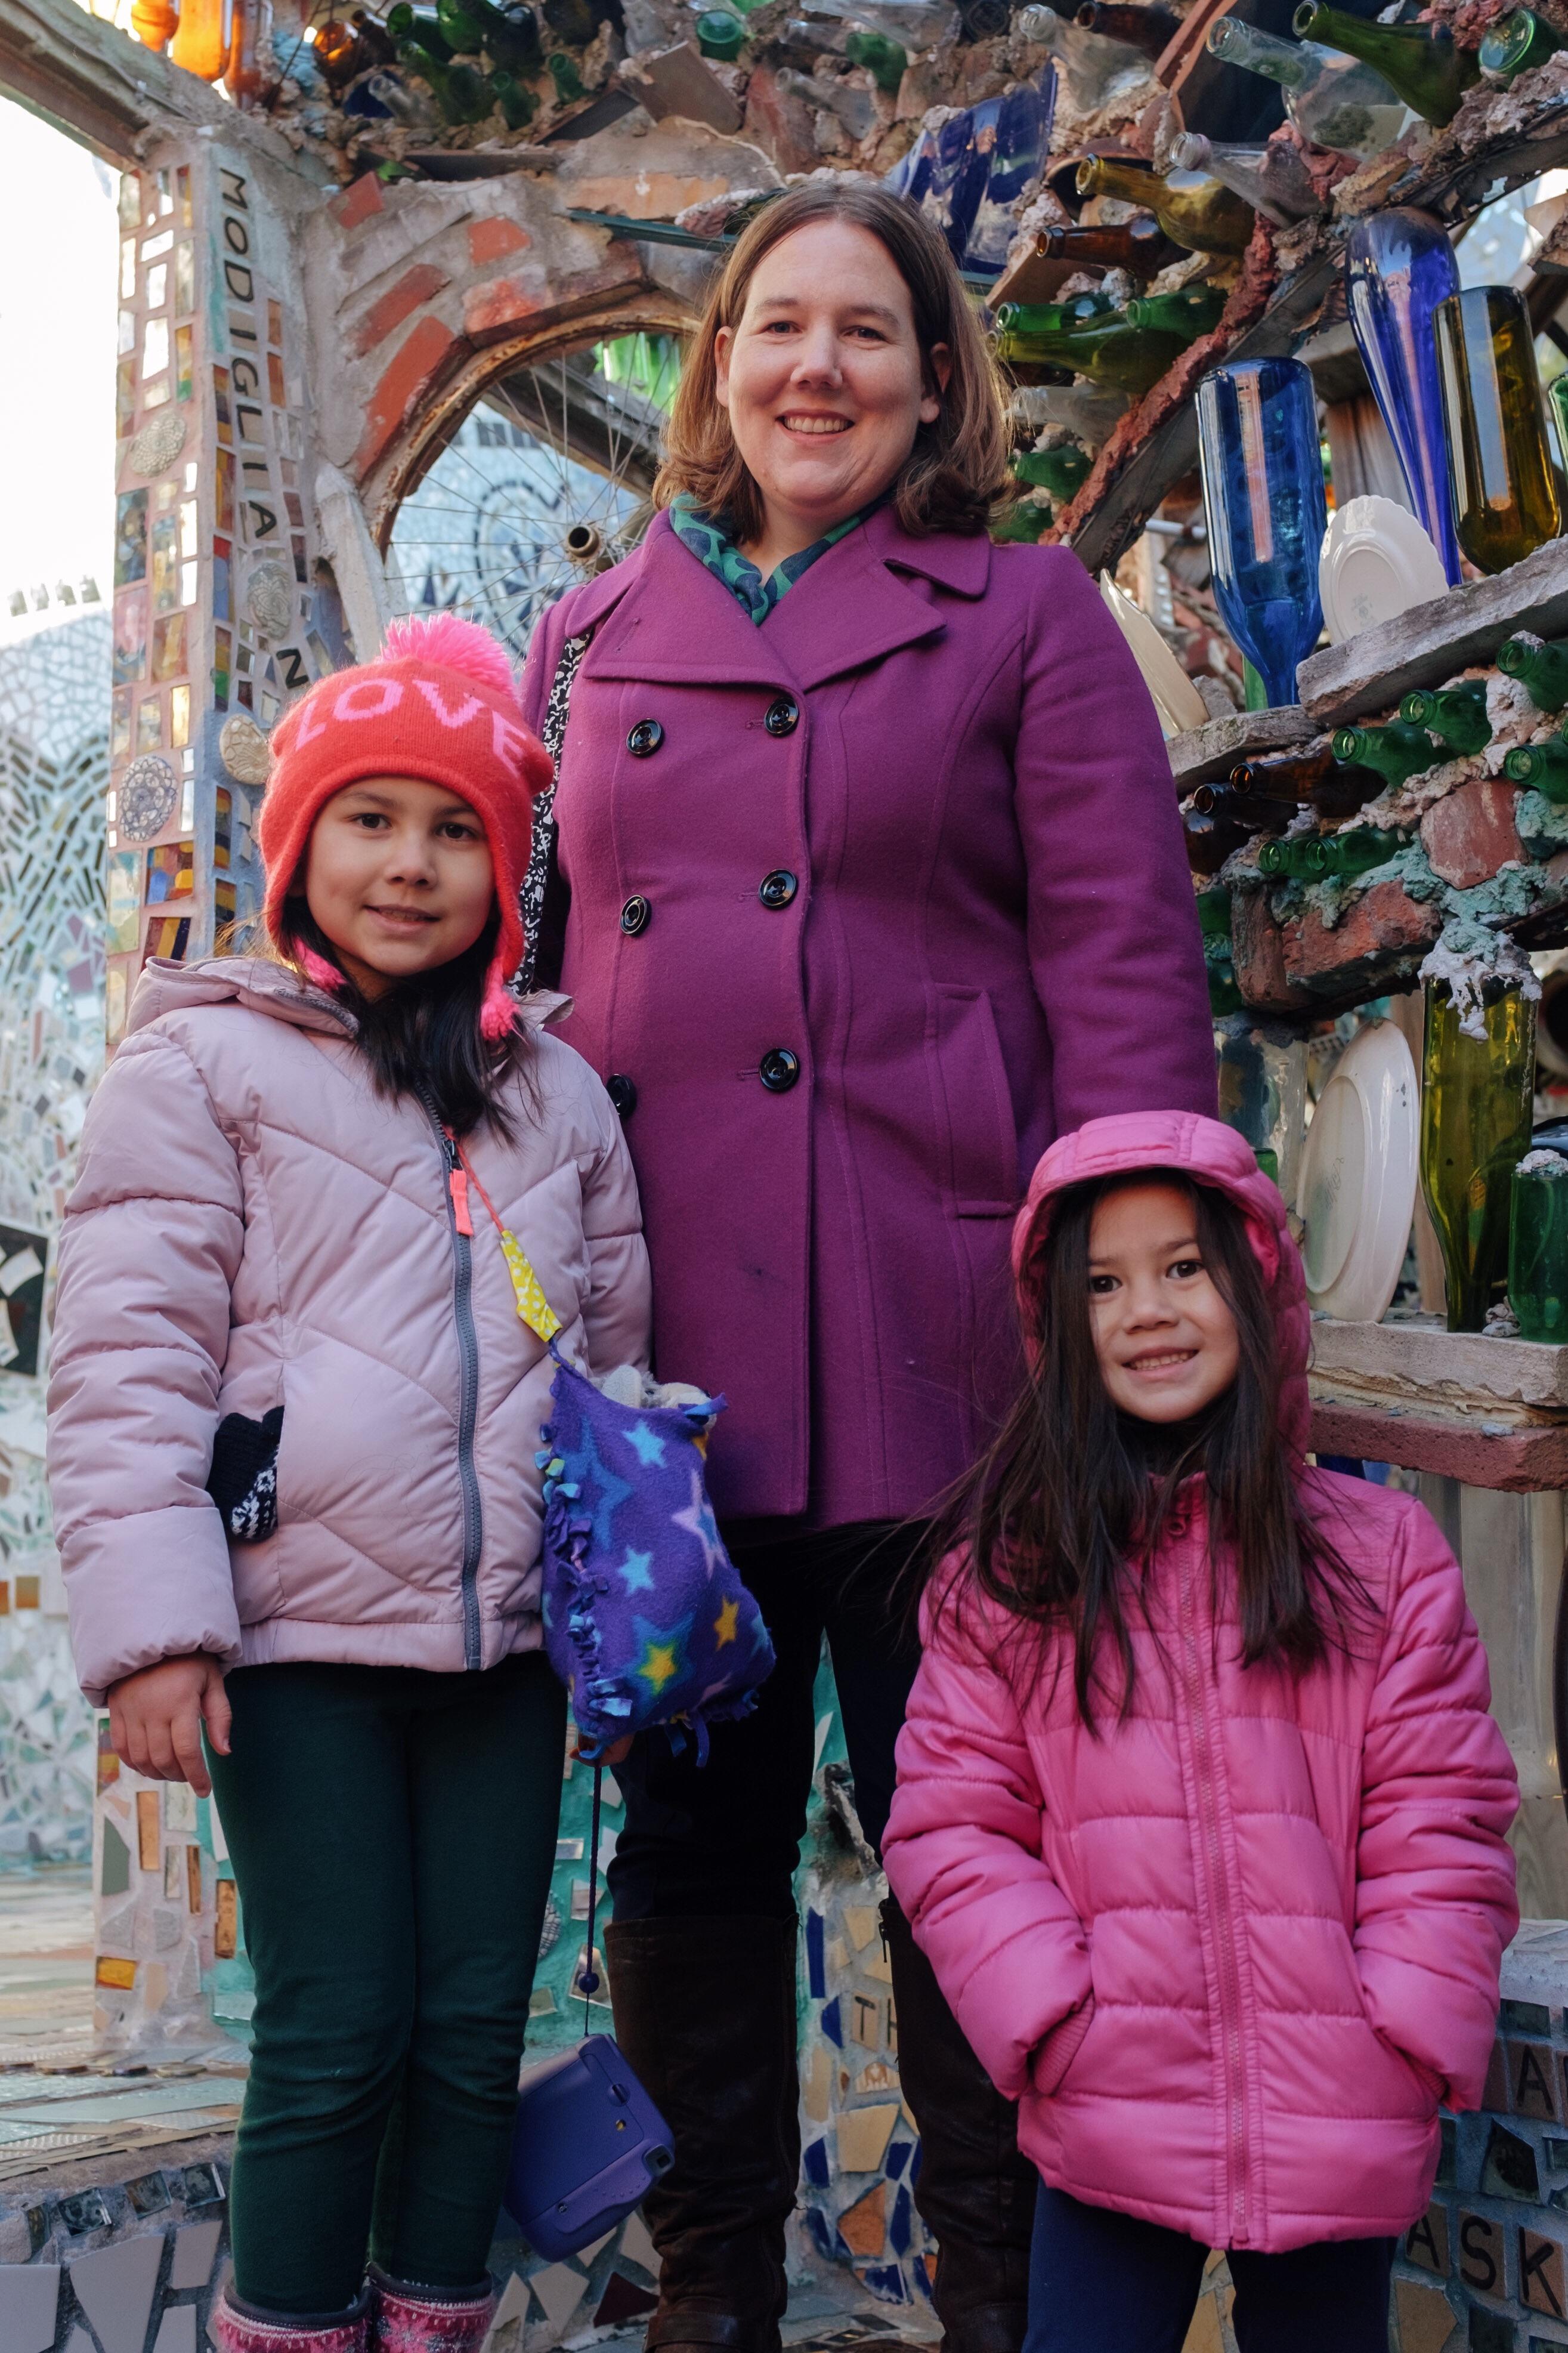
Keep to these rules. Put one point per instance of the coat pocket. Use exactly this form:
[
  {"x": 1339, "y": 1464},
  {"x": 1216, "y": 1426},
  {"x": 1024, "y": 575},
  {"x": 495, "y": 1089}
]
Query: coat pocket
[
  {"x": 243, "y": 1482},
  {"x": 973, "y": 1104}
]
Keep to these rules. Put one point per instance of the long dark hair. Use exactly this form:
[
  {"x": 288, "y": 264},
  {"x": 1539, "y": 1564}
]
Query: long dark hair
[
  {"x": 1059, "y": 1520},
  {"x": 422, "y": 1037}
]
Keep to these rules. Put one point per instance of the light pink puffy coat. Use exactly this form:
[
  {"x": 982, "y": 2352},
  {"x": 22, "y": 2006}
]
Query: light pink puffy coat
[
  {"x": 1229, "y": 1955},
  {"x": 253, "y": 1226}
]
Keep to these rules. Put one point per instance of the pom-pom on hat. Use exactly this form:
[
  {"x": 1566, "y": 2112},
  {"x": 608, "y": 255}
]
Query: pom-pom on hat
[{"x": 440, "y": 705}]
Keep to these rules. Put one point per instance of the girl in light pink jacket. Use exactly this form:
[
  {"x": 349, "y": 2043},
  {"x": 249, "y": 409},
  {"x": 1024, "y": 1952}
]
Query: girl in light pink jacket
[
  {"x": 295, "y": 1417},
  {"x": 1201, "y": 1816}
]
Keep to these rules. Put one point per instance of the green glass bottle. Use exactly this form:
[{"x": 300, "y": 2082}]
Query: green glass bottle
[
  {"x": 1023, "y": 524},
  {"x": 1540, "y": 670},
  {"x": 721, "y": 35},
  {"x": 1356, "y": 852},
  {"x": 512, "y": 37},
  {"x": 1499, "y": 468},
  {"x": 1476, "y": 1096},
  {"x": 1422, "y": 62},
  {"x": 1456, "y": 713},
  {"x": 418, "y": 25},
  {"x": 1516, "y": 45},
  {"x": 1107, "y": 348},
  {"x": 563, "y": 73},
  {"x": 1538, "y": 1247},
  {"x": 1396, "y": 751},
  {"x": 1543, "y": 767},
  {"x": 1208, "y": 219},
  {"x": 886, "y": 61},
  {"x": 1192, "y": 311},
  {"x": 1288, "y": 861},
  {"x": 461, "y": 95},
  {"x": 517, "y": 102},
  {"x": 1050, "y": 317},
  {"x": 1062, "y": 470}
]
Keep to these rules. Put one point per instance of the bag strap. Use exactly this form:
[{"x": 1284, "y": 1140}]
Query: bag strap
[
  {"x": 590, "y": 1974},
  {"x": 527, "y": 1290},
  {"x": 542, "y": 845}
]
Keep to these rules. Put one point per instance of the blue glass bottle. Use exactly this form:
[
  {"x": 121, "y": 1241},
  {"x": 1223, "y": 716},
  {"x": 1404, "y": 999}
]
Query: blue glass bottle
[
  {"x": 1263, "y": 500},
  {"x": 1399, "y": 266}
]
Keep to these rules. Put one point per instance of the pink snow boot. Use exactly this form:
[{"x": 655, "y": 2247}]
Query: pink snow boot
[
  {"x": 410, "y": 2318},
  {"x": 236, "y": 2328}
]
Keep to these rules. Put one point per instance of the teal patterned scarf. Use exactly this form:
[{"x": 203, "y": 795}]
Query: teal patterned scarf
[{"x": 710, "y": 543}]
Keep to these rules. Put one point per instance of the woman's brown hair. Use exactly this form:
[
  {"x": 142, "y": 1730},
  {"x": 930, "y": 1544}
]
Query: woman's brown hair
[
  {"x": 958, "y": 466},
  {"x": 1060, "y": 1519}
]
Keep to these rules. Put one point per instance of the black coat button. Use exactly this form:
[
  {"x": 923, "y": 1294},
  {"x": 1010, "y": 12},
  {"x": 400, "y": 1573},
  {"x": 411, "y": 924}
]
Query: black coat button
[
  {"x": 779, "y": 1070},
  {"x": 645, "y": 737},
  {"x": 782, "y": 716},
  {"x": 635, "y": 915},
  {"x": 622, "y": 1093},
  {"x": 777, "y": 889}
]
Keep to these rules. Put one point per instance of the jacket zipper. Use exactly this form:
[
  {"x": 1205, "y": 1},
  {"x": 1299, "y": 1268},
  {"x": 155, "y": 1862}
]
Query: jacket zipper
[
  {"x": 460, "y": 1228},
  {"x": 1218, "y": 1885}
]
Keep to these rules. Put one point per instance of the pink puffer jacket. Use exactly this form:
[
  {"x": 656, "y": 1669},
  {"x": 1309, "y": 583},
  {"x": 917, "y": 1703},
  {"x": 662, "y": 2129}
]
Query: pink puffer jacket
[
  {"x": 1230, "y": 1955},
  {"x": 252, "y": 1228}
]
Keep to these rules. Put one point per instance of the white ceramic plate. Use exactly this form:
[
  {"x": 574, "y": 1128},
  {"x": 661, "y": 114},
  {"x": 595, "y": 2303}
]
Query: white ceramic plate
[
  {"x": 1357, "y": 1187},
  {"x": 1176, "y": 699},
  {"x": 1376, "y": 563}
]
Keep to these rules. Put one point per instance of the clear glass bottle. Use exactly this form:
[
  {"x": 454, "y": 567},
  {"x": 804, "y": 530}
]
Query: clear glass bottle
[
  {"x": 1499, "y": 468},
  {"x": 1334, "y": 99},
  {"x": 1423, "y": 63},
  {"x": 1477, "y": 1095},
  {"x": 1273, "y": 180}
]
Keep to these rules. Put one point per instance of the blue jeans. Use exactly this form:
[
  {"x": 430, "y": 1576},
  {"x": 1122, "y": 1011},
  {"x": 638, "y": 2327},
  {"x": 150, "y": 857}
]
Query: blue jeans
[{"x": 1104, "y": 2282}]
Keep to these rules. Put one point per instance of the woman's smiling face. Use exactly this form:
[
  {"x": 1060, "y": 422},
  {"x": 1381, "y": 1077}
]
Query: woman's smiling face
[{"x": 824, "y": 378}]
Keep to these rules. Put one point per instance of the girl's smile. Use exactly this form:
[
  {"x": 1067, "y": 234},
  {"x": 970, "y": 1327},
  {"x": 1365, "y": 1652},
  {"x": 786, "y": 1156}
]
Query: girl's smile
[{"x": 1165, "y": 1336}]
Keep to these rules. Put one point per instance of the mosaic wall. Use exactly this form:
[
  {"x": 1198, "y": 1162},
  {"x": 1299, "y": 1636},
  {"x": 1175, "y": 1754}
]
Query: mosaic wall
[
  {"x": 222, "y": 612},
  {"x": 54, "y": 725}
]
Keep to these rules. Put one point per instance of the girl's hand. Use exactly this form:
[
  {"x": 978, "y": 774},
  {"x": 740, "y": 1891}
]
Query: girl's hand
[{"x": 155, "y": 1720}]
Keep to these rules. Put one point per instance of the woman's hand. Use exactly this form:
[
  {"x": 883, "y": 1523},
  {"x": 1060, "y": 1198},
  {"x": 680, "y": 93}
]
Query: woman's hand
[{"x": 155, "y": 1720}]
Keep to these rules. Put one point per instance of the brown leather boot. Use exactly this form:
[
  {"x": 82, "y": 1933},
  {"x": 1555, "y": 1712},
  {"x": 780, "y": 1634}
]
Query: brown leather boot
[
  {"x": 705, "y": 2010},
  {"x": 975, "y": 2193}
]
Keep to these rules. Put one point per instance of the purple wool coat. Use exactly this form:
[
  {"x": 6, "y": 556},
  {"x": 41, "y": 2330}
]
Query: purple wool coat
[{"x": 868, "y": 905}]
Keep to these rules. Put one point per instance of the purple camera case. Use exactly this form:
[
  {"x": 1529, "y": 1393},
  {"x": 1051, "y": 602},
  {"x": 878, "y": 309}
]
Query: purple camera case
[{"x": 587, "y": 2146}]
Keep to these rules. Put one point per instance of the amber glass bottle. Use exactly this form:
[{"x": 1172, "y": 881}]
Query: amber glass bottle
[{"x": 1139, "y": 245}]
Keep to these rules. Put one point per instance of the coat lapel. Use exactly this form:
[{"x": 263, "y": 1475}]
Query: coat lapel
[
  {"x": 855, "y": 606},
  {"x": 675, "y": 621}
]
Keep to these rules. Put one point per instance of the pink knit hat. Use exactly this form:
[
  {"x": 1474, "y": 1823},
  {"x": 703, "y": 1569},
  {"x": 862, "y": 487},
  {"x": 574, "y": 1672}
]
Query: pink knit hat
[{"x": 440, "y": 705}]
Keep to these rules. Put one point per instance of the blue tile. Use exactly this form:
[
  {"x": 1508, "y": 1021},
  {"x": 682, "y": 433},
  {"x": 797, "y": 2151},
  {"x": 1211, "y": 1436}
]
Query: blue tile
[
  {"x": 815, "y": 2163},
  {"x": 898, "y": 2157},
  {"x": 887, "y": 2281},
  {"x": 830, "y": 2025},
  {"x": 816, "y": 1967},
  {"x": 900, "y": 2229},
  {"x": 823, "y": 2231}
]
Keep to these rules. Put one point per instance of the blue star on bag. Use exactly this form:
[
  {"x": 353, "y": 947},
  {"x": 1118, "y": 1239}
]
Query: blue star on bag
[{"x": 646, "y": 1620}]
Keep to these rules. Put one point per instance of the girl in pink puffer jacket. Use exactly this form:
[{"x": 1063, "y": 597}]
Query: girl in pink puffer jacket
[
  {"x": 1201, "y": 1816},
  {"x": 294, "y": 1423}
]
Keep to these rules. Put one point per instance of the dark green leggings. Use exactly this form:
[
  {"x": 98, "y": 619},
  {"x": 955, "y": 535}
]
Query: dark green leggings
[{"x": 392, "y": 1834}]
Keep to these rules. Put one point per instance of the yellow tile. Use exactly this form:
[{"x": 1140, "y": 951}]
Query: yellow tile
[
  {"x": 863, "y": 2137},
  {"x": 860, "y": 1919},
  {"x": 1425, "y": 2317},
  {"x": 816, "y": 2084}
]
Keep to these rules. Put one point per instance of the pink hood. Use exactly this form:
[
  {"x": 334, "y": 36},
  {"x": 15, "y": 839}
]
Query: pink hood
[
  {"x": 259, "y": 1247},
  {"x": 1230, "y": 1954}
]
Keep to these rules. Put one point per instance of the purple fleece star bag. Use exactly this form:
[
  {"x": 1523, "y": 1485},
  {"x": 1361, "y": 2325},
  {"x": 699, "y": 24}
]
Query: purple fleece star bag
[{"x": 646, "y": 1620}]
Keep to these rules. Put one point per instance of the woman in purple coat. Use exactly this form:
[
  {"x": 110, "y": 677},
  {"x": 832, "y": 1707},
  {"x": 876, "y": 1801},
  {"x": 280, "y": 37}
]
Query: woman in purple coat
[{"x": 876, "y": 884}]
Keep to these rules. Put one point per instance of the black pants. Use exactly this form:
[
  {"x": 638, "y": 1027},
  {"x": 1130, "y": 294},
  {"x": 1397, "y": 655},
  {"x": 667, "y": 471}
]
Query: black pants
[
  {"x": 724, "y": 1839},
  {"x": 1109, "y": 2281},
  {"x": 392, "y": 1834}
]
